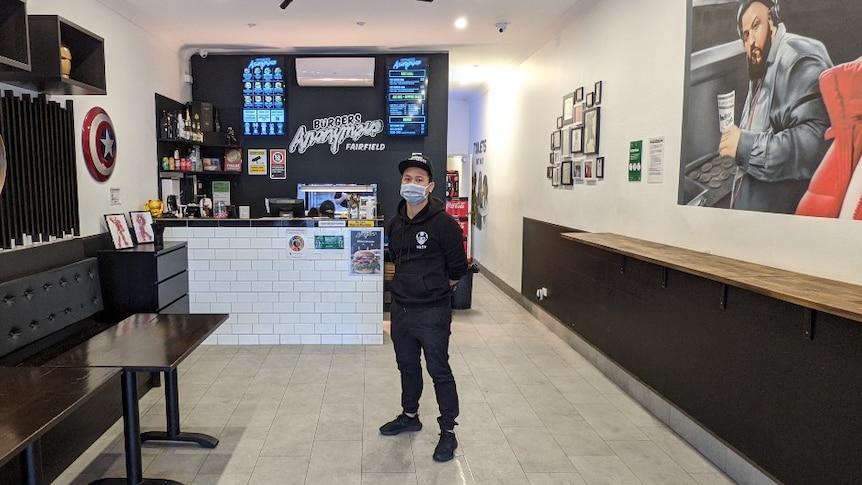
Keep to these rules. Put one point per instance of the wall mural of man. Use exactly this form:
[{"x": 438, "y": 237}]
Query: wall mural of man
[
  {"x": 779, "y": 142},
  {"x": 770, "y": 56}
]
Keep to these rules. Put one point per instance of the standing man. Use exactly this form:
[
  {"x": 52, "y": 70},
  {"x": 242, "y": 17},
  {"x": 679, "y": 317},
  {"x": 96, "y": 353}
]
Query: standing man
[
  {"x": 779, "y": 143},
  {"x": 427, "y": 247}
]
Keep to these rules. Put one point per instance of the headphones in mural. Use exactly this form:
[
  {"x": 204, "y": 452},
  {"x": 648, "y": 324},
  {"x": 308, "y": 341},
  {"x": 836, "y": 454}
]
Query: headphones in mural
[
  {"x": 99, "y": 142},
  {"x": 772, "y": 5}
]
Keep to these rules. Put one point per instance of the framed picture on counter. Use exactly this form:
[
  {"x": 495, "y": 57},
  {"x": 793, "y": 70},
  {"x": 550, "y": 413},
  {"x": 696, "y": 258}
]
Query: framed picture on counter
[
  {"x": 119, "y": 230},
  {"x": 142, "y": 224}
]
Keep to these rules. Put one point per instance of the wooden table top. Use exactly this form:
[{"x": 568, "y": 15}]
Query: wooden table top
[
  {"x": 830, "y": 296},
  {"x": 34, "y": 399},
  {"x": 143, "y": 342}
]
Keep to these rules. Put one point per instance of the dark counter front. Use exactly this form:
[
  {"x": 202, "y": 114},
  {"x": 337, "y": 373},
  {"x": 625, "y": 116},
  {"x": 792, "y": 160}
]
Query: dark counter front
[{"x": 726, "y": 345}]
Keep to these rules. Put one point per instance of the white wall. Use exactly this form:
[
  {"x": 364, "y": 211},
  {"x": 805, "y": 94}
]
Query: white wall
[
  {"x": 137, "y": 66},
  {"x": 638, "y": 50},
  {"x": 459, "y": 127}
]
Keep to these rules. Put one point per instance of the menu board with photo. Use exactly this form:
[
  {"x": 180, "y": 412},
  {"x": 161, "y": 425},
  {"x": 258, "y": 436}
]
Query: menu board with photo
[
  {"x": 407, "y": 95},
  {"x": 263, "y": 97},
  {"x": 366, "y": 251}
]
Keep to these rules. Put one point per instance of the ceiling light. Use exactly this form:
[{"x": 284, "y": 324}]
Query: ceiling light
[
  {"x": 285, "y": 3},
  {"x": 461, "y": 23}
]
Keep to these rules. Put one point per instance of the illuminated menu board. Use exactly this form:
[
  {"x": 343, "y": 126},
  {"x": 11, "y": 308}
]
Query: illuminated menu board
[
  {"x": 263, "y": 97},
  {"x": 406, "y": 96}
]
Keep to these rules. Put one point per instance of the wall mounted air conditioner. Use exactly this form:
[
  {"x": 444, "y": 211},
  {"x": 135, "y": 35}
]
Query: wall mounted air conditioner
[{"x": 335, "y": 71}]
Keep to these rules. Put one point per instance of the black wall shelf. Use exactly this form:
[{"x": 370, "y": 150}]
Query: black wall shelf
[
  {"x": 14, "y": 43},
  {"x": 49, "y": 32}
]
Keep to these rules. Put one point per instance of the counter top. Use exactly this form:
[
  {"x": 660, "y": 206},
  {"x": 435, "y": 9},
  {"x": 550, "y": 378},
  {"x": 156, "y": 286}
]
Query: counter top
[
  {"x": 830, "y": 296},
  {"x": 268, "y": 222}
]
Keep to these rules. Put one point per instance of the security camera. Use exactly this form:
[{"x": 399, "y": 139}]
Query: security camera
[
  {"x": 203, "y": 53},
  {"x": 502, "y": 26}
]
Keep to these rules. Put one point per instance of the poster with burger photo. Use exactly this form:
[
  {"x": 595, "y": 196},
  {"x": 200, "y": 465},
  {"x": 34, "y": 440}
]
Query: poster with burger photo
[{"x": 366, "y": 251}]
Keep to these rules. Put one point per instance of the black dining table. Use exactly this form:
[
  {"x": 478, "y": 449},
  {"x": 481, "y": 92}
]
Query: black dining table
[
  {"x": 33, "y": 400},
  {"x": 146, "y": 342}
]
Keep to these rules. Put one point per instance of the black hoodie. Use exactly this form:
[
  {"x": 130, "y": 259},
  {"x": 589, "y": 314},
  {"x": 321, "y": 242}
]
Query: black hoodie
[{"x": 428, "y": 251}]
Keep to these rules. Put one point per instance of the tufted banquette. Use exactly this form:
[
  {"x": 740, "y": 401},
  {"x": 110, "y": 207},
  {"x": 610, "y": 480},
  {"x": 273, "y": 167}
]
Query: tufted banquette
[{"x": 43, "y": 314}]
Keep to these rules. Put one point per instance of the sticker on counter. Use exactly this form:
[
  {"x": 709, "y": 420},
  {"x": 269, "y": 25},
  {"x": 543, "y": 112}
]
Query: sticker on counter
[
  {"x": 328, "y": 241},
  {"x": 257, "y": 161},
  {"x": 366, "y": 251},
  {"x": 297, "y": 244}
]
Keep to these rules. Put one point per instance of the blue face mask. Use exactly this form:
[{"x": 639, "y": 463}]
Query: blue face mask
[{"x": 413, "y": 193}]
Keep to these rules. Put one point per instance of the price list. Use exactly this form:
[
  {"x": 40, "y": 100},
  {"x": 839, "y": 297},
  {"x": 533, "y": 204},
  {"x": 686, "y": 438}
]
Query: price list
[{"x": 407, "y": 96}]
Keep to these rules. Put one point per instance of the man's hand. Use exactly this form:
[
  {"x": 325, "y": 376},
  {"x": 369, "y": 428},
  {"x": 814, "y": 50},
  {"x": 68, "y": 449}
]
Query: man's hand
[{"x": 729, "y": 142}]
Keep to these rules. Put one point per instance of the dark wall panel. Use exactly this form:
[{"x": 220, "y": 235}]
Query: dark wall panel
[
  {"x": 40, "y": 196},
  {"x": 746, "y": 373},
  {"x": 218, "y": 79}
]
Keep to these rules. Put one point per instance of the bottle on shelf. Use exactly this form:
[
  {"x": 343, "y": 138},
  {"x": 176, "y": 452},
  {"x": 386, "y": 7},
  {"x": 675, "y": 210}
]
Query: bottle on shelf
[
  {"x": 216, "y": 122},
  {"x": 164, "y": 126},
  {"x": 188, "y": 124},
  {"x": 181, "y": 127}
]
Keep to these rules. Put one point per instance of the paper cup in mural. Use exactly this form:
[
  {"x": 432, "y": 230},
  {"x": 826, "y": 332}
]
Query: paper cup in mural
[
  {"x": 725, "y": 110},
  {"x": 2, "y": 164},
  {"x": 99, "y": 142}
]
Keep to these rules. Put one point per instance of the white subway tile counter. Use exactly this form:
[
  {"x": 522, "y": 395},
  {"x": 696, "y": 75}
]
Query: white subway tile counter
[{"x": 277, "y": 296}]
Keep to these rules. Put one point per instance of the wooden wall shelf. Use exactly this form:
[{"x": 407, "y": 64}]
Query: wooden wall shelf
[
  {"x": 14, "y": 36},
  {"x": 49, "y": 32}
]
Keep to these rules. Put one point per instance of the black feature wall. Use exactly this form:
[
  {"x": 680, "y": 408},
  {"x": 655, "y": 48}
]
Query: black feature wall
[
  {"x": 218, "y": 80},
  {"x": 746, "y": 373}
]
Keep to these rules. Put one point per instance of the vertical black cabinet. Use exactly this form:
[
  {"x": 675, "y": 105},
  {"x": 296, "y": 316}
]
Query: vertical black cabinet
[{"x": 145, "y": 280}]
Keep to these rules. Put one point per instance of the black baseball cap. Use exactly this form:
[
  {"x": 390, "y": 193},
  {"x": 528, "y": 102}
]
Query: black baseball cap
[{"x": 418, "y": 161}]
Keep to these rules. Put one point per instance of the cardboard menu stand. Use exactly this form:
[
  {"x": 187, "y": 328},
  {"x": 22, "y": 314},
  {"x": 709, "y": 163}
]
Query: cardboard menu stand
[{"x": 233, "y": 160}]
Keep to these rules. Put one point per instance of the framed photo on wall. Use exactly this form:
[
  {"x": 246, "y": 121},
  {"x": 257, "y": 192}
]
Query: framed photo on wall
[
  {"x": 119, "y": 230},
  {"x": 592, "y": 119},
  {"x": 550, "y": 171},
  {"x": 568, "y": 106},
  {"x": 591, "y": 99},
  {"x": 577, "y": 140},
  {"x": 597, "y": 98},
  {"x": 556, "y": 140},
  {"x": 555, "y": 180},
  {"x": 578, "y": 119},
  {"x": 588, "y": 169},
  {"x": 566, "y": 173},
  {"x": 559, "y": 122},
  {"x": 579, "y": 94},
  {"x": 566, "y": 141},
  {"x": 142, "y": 224},
  {"x": 578, "y": 169},
  {"x": 600, "y": 167}
]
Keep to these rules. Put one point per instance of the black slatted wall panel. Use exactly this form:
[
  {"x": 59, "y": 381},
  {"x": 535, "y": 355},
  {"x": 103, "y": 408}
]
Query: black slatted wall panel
[{"x": 40, "y": 196}]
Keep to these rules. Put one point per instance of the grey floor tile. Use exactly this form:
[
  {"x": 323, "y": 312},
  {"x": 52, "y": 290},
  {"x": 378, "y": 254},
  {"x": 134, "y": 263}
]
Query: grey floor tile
[
  {"x": 651, "y": 465},
  {"x": 283, "y": 470},
  {"x": 537, "y": 450},
  {"x": 335, "y": 462},
  {"x": 555, "y": 479},
  {"x": 609, "y": 422},
  {"x": 604, "y": 470}
]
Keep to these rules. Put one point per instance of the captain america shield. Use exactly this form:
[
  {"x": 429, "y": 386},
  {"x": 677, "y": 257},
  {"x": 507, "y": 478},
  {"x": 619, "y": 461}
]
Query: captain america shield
[{"x": 99, "y": 142}]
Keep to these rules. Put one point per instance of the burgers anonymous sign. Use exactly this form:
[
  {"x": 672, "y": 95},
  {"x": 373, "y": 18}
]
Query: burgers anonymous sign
[{"x": 366, "y": 251}]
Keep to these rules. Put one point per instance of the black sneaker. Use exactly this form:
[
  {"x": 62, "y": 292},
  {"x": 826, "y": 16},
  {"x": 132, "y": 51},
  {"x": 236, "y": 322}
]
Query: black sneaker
[
  {"x": 400, "y": 424},
  {"x": 445, "y": 449}
]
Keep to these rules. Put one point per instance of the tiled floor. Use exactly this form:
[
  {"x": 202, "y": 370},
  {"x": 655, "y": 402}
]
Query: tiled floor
[{"x": 533, "y": 411}]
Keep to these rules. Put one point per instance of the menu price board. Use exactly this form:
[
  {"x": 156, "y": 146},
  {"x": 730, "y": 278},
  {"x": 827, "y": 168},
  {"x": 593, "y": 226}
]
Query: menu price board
[
  {"x": 263, "y": 97},
  {"x": 406, "y": 96}
]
